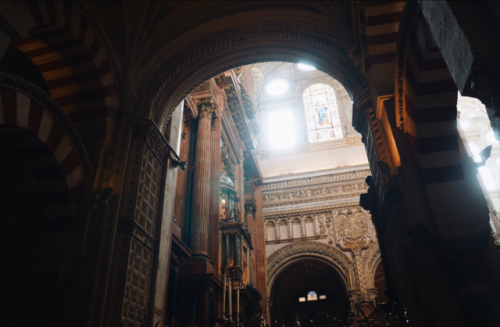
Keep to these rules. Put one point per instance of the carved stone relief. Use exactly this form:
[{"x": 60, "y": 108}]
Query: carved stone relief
[
  {"x": 318, "y": 192},
  {"x": 353, "y": 230},
  {"x": 296, "y": 250}
]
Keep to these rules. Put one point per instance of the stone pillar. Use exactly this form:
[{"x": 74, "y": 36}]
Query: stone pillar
[
  {"x": 215, "y": 153},
  {"x": 139, "y": 228},
  {"x": 201, "y": 192},
  {"x": 161, "y": 286}
]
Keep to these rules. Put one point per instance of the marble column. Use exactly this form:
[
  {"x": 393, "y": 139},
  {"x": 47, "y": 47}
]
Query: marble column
[{"x": 201, "y": 192}]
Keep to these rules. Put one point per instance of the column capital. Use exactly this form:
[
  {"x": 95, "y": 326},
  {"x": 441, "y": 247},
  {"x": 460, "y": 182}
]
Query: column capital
[{"x": 206, "y": 107}]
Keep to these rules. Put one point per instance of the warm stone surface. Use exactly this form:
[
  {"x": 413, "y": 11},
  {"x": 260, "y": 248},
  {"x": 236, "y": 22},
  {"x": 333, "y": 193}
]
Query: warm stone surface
[{"x": 88, "y": 156}]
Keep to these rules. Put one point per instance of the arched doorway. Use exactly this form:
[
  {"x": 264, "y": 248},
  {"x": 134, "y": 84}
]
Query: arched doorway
[
  {"x": 308, "y": 289},
  {"x": 43, "y": 173}
]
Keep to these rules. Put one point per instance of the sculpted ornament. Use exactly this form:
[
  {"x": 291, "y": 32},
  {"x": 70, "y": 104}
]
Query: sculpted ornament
[
  {"x": 294, "y": 251},
  {"x": 357, "y": 187},
  {"x": 353, "y": 230},
  {"x": 206, "y": 108},
  {"x": 322, "y": 224}
]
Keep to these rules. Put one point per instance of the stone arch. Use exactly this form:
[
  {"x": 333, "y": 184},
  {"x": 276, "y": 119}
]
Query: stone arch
[
  {"x": 27, "y": 109},
  {"x": 376, "y": 25},
  {"x": 285, "y": 256},
  {"x": 303, "y": 36},
  {"x": 371, "y": 259},
  {"x": 426, "y": 112},
  {"x": 77, "y": 64},
  {"x": 44, "y": 174}
]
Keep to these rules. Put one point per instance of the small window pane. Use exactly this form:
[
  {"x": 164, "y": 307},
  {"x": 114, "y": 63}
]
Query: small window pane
[
  {"x": 322, "y": 297},
  {"x": 302, "y": 299}
]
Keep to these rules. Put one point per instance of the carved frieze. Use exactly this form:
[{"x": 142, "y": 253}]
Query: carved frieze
[
  {"x": 302, "y": 193},
  {"x": 311, "y": 181},
  {"x": 312, "y": 204}
]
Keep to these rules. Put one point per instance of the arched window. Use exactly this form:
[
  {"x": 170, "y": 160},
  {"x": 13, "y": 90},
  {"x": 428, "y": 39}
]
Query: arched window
[
  {"x": 322, "y": 114},
  {"x": 312, "y": 296}
]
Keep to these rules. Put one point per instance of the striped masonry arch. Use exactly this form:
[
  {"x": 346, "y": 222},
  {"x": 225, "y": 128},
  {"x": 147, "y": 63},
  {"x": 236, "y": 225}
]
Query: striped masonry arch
[
  {"x": 68, "y": 52},
  {"x": 430, "y": 107},
  {"x": 32, "y": 124},
  {"x": 378, "y": 37}
]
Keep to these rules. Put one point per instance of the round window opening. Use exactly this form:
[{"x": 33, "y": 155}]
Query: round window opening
[{"x": 277, "y": 87}]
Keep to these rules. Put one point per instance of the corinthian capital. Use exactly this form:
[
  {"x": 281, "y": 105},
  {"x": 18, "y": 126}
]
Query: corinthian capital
[{"x": 205, "y": 108}]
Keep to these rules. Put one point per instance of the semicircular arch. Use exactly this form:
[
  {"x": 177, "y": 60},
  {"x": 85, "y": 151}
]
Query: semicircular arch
[
  {"x": 287, "y": 255},
  {"x": 30, "y": 111},
  {"x": 245, "y": 41}
]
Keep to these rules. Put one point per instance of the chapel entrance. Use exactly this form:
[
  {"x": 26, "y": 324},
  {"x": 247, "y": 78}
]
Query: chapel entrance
[{"x": 308, "y": 291}]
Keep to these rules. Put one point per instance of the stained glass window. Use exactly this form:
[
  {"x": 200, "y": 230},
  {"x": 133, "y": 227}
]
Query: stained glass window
[{"x": 322, "y": 114}]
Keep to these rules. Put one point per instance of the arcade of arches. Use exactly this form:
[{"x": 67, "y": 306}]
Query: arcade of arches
[{"x": 323, "y": 163}]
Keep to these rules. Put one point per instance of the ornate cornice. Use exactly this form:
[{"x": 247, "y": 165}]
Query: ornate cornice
[
  {"x": 303, "y": 194},
  {"x": 316, "y": 205},
  {"x": 314, "y": 181},
  {"x": 47, "y": 102}
]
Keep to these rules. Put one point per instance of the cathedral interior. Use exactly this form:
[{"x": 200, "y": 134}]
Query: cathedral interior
[{"x": 250, "y": 163}]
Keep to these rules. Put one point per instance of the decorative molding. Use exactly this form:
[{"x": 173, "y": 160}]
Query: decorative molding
[
  {"x": 47, "y": 102},
  {"x": 297, "y": 31},
  {"x": 316, "y": 180},
  {"x": 316, "y": 204},
  {"x": 295, "y": 251},
  {"x": 299, "y": 194}
]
